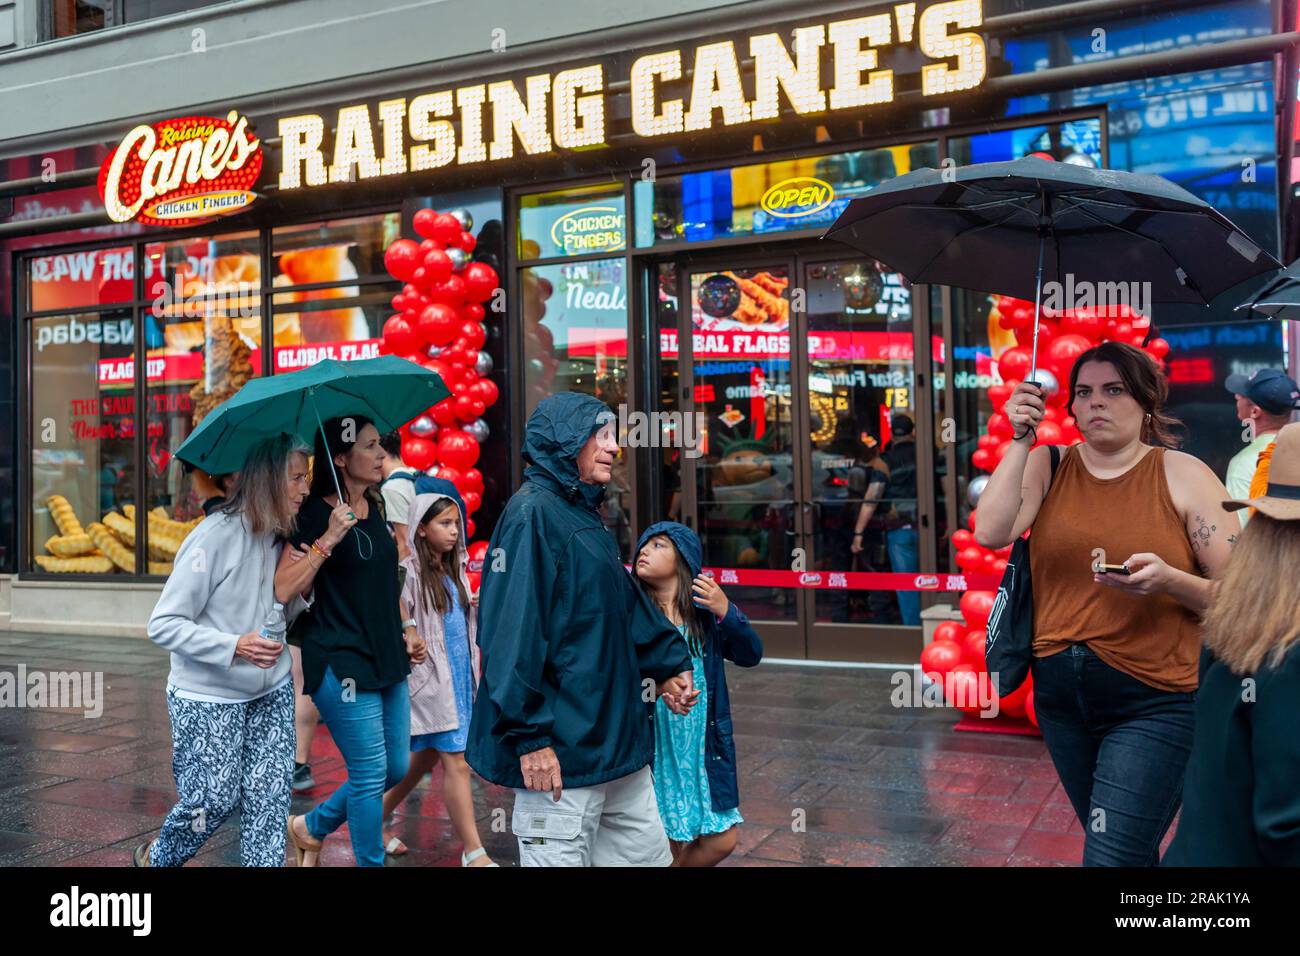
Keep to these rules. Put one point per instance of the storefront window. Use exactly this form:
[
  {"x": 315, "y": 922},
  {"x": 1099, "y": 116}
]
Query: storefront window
[
  {"x": 334, "y": 251},
  {"x": 588, "y": 220},
  {"x": 766, "y": 197},
  {"x": 83, "y": 443},
  {"x": 81, "y": 280},
  {"x": 1077, "y": 142},
  {"x": 342, "y": 323},
  {"x": 203, "y": 337},
  {"x": 575, "y": 340}
]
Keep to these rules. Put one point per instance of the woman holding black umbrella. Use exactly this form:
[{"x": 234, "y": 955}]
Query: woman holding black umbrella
[
  {"x": 1115, "y": 652},
  {"x": 355, "y": 658}
]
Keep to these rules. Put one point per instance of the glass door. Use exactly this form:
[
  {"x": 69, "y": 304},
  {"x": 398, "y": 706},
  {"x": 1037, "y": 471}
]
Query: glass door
[
  {"x": 859, "y": 451},
  {"x": 797, "y": 374}
]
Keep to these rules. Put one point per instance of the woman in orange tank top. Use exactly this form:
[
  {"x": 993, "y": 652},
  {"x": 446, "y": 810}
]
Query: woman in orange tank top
[{"x": 1115, "y": 655}]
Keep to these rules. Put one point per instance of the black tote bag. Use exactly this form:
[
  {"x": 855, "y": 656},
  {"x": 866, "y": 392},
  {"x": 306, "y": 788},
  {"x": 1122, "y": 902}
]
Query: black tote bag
[{"x": 1008, "y": 649}]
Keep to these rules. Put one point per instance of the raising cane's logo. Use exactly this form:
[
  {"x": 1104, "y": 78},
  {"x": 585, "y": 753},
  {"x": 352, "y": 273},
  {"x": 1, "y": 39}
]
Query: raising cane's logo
[{"x": 182, "y": 171}]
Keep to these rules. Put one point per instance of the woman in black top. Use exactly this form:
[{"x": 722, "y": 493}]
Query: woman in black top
[
  {"x": 355, "y": 658},
  {"x": 1241, "y": 795}
]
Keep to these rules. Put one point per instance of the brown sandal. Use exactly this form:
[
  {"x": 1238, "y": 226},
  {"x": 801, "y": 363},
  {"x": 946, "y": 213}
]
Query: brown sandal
[{"x": 303, "y": 847}]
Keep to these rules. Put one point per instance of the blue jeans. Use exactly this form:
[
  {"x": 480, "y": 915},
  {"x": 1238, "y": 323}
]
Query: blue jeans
[
  {"x": 373, "y": 733},
  {"x": 1120, "y": 747},
  {"x": 901, "y": 545}
]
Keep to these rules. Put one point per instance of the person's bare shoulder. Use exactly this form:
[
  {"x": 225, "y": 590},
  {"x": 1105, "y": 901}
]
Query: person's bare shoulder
[{"x": 1187, "y": 469}]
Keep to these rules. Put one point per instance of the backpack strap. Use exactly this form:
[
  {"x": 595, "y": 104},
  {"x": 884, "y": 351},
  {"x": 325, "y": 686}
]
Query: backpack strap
[{"x": 398, "y": 474}]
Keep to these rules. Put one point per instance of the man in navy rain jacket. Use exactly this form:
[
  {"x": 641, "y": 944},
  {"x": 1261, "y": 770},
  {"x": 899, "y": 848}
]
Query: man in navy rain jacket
[{"x": 573, "y": 652}]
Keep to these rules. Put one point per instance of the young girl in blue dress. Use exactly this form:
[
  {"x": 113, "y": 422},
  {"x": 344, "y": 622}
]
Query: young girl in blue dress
[
  {"x": 437, "y": 603},
  {"x": 695, "y": 756}
]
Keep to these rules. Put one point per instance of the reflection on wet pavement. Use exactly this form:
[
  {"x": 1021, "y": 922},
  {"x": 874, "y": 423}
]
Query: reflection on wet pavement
[{"x": 830, "y": 774}]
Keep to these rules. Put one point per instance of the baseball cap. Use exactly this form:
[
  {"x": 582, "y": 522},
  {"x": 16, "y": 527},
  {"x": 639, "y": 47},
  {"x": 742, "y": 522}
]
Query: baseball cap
[{"x": 1269, "y": 388}]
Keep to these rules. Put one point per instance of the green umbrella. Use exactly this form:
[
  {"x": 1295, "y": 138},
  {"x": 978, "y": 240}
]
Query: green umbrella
[{"x": 388, "y": 390}]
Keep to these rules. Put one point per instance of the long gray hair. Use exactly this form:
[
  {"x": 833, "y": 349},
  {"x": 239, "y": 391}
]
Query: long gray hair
[{"x": 261, "y": 494}]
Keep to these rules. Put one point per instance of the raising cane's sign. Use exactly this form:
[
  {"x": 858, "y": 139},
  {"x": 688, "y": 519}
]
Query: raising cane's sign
[{"x": 182, "y": 171}]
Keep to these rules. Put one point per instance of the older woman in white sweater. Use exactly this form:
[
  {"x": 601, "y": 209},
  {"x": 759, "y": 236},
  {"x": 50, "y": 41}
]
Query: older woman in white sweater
[{"x": 230, "y": 693}]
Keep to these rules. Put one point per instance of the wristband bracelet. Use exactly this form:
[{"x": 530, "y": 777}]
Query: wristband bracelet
[
  {"x": 319, "y": 550},
  {"x": 409, "y": 622}
]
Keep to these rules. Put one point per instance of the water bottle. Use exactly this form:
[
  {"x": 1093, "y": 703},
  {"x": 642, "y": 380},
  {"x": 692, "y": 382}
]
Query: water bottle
[{"x": 275, "y": 628}]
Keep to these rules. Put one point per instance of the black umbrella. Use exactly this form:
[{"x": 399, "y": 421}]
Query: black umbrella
[
  {"x": 979, "y": 227},
  {"x": 1280, "y": 297}
]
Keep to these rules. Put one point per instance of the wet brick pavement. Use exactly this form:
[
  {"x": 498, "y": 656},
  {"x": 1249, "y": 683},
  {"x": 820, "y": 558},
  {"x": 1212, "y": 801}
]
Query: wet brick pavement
[{"x": 873, "y": 785}]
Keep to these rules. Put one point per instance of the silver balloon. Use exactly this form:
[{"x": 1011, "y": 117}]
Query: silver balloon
[
  {"x": 424, "y": 427},
  {"x": 483, "y": 364},
  {"x": 477, "y": 430},
  {"x": 459, "y": 258},
  {"x": 463, "y": 217},
  {"x": 434, "y": 351},
  {"x": 975, "y": 489},
  {"x": 1047, "y": 379}
]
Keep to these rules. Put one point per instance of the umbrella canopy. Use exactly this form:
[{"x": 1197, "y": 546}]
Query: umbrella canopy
[
  {"x": 1279, "y": 298},
  {"x": 979, "y": 227},
  {"x": 388, "y": 390}
]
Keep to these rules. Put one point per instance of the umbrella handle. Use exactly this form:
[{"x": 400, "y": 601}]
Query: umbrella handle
[
  {"x": 1038, "y": 304},
  {"x": 361, "y": 535}
]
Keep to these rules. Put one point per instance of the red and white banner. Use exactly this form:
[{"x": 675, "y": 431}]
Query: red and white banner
[{"x": 187, "y": 367}]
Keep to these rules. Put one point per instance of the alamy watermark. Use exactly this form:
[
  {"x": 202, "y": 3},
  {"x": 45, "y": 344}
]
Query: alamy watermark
[
  {"x": 913, "y": 689},
  {"x": 1111, "y": 300},
  {"x": 70, "y": 690},
  {"x": 662, "y": 430}
]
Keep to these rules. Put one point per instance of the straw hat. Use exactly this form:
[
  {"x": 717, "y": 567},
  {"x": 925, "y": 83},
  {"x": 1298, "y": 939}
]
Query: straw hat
[{"x": 1282, "y": 498}]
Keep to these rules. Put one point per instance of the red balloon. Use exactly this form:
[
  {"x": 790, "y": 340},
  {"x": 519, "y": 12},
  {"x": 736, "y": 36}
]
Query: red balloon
[
  {"x": 983, "y": 460},
  {"x": 970, "y": 559},
  {"x": 975, "y": 607},
  {"x": 478, "y": 550},
  {"x": 481, "y": 281},
  {"x": 939, "y": 657},
  {"x": 1066, "y": 348},
  {"x": 1158, "y": 347},
  {"x": 1014, "y": 363},
  {"x": 949, "y": 631},
  {"x": 466, "y": 241},
  {"x": 423, "y": 221},
  {"x": 998, "y": 395},
  {"x": 444, "y": 227},
  {"x": 401, "y": 259},
  {"x": 474, "y": 335},
  {"x": 467, "y": 407},
  {"x": 444, "y": 412},
  {"x": 999, "y": 426},
  {"x": 1013, "y": 704},
  {"x": 469, "y": 533},
  {"x": 473, "y": 501},
  {"x": 1085, "y": 322},
  {"x": 1029, "y": 709},
  {"x": 399, "y": 336},
  {"x": 473, "y": 312},
  {"x": 961, "y": 538},
  {"x": 1000, "y": 566},
  {"x": 474, "y": 480},
  {"x": 448, "y": 473},
  {"x": 437, "y": 323},
  {"x": 962, "y": 688},
  {"x": 457, "y": 449},
  {"x": 419, "y": 453},
  {"x": 972, "y": 646},
  {"x": 488, "y": 391},
  {"x": 1050, "y": 433},
  {"x": 1047, "y": 331},
  {"x": 437, "y": 265}
]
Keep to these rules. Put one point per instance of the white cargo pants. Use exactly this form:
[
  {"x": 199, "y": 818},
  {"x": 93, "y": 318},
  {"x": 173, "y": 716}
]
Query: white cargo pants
[{"x": 610, "y": 824}]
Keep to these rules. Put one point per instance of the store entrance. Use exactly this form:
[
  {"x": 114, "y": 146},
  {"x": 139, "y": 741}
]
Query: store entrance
[{"x": 796, "y": 372}]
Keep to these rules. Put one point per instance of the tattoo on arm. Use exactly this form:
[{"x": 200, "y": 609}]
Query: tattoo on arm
[
  {"x": 1200, "y": 535},
  {"x": 1232, "y": 540}
]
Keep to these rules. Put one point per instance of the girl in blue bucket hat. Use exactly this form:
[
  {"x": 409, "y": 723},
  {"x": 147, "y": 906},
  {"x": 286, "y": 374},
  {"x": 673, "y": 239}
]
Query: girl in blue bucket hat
[{"x": 695, "y": 756}]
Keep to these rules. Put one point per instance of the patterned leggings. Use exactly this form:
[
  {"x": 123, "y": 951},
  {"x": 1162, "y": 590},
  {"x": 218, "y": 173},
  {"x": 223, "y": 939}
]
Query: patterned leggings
[{"x": 227, "y": 757}]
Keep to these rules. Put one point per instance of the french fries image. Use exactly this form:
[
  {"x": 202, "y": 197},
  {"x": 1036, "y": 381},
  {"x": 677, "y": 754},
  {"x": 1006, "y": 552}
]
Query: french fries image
[
  {"x": 165, "y": 537},
  {"x": 118, "y": 553},
  {"x": 123, "y": 528},
  {"x": 70, "y": 546},
  {"x": 65, "y": 519},
  {"x": 85, "y": 564},
  {"x": 160, "y": 567}
]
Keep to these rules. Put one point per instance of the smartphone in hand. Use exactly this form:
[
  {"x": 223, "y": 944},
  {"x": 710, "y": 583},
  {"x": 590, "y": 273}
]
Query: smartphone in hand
[{"x": 1113, "y": 569}]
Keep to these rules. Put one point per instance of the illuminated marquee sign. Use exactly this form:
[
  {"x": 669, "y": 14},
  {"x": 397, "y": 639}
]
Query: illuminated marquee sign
[
  {"x": 566, "y": 110},
  {"x": 181, "y": 171}
]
